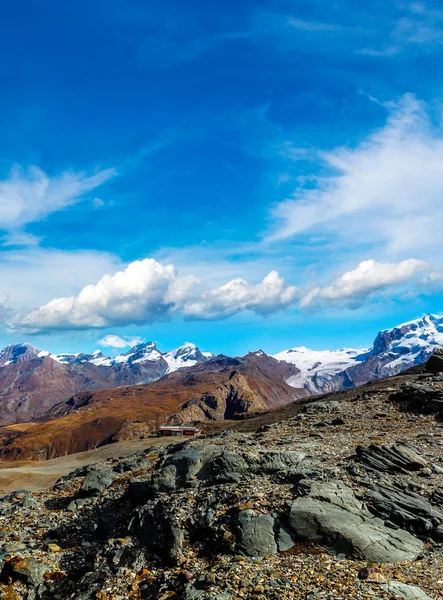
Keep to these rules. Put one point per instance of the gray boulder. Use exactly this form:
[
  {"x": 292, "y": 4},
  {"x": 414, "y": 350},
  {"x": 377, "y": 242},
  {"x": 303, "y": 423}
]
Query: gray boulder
[
  {"x": 402, "y": 590},
  {"x": 320, "y": 406},
  {"x": 256, "y": 533},
  {"x": 26, "y": 569},
  {"x": 96, "y": 481},
  {"x": 132, "y": 463},
  {"x": 435, "y": 362},
  {"x": 214, "y": 464},
  {"x": 332, "y": 517}
]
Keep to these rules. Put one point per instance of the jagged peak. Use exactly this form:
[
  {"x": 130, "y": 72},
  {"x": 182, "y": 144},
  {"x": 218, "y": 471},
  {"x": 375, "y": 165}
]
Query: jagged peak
[{"x": 14, "y": 353}]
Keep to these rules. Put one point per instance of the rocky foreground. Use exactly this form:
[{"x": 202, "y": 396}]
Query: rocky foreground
[{"x": 338, "y": 499}]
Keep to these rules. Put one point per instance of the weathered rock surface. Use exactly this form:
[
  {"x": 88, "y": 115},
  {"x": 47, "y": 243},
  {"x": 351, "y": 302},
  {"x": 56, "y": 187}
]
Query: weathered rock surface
[
  {"x": 96, "y": 481},
  {"x": 256, "y": 533},
  {"x": 30, "y": 570},
  {"x": 405, "y": 591},
  {"x": 332, "y": 517},
  {"x": 213, "y": 464},
  {"x": 406, "y": 509},
  {"x": 400, "y": 458}
]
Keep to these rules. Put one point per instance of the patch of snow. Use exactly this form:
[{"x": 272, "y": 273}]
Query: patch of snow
[
  {"x": 101, "y": 361},
  {"x": 317, "y": 363}
]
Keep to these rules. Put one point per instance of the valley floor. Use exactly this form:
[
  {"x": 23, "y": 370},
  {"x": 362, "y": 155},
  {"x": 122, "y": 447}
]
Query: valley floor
[{"x": 43, "y": 474}]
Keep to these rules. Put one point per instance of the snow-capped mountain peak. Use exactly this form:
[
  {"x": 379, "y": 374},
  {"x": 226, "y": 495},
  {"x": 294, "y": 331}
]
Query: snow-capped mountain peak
[
  {"x": 393, "y": 351},
  {"x": 143, "y": 353},
  {"x": 185, "y": 356},
  {"x": 146, "y": 351},
  {"x": 15, "y": 353},
  {"x": 79, "y": 358}
]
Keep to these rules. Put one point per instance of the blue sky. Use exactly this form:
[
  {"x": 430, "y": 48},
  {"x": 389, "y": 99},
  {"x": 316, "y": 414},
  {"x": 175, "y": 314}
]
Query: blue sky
[{"x": 231, "y": 140}]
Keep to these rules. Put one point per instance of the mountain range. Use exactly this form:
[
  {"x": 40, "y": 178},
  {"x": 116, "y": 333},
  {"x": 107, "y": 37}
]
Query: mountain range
[
  {"x": 36, "y": 385},
  {"x": 393, "y": 351},
  {"x": 32, "y": 381}
]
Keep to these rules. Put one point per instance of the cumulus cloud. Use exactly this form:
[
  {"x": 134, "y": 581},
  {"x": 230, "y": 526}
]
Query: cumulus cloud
[
  {"x": 147, "y": 291},
  {"x": 385, "y": 193},
  {"x": 143, "y": 292},
  {"x": 354, "y": 286},
  {"x": 115, "y": 341},
  {"x": 28, "y": 195},
  {"x": 237, "y": 295}
]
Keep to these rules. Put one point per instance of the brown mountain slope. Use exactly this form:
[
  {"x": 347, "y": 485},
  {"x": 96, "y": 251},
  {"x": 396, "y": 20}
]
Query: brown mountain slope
[
  {"x": 30, "y": 387},
  {"x": 222, "y": 388}
]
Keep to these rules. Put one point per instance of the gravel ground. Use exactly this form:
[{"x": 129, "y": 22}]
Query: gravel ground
[{"x": 62, "y": 543}]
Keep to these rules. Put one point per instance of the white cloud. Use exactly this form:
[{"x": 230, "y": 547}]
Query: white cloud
[
  {"x": 28, "y": 195},
  {"x": 386, "y": 193},
  {"x": 354, "y": 286},
  {"x": 147, "y": 291},
  {"x": 268, "y": 296},
  {"x": 143, "y": 292},
  {"x": 115, "y": 341}
]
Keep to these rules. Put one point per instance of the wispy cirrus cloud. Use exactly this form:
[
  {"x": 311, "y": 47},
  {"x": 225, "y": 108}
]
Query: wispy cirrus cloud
[
  {"x": 412, "y": 25},
  {"x": 386, "y": 192},
  {"x": 29, "y": 195}
]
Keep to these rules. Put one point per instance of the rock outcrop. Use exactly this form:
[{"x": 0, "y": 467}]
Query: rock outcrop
[{"x": 332, "y": 517}]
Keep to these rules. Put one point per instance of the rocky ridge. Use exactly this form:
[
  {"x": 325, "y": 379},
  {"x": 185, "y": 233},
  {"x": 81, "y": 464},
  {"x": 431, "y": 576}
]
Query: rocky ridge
[{"x": 337, "y": 498}]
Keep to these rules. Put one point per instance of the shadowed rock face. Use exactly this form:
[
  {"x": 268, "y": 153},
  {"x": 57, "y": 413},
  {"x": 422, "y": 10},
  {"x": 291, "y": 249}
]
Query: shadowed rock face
[
  {"x": 435, "y": 363},
  {"x": 424, "y": 399}
]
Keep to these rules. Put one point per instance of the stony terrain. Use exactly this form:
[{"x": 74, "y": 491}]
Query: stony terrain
[{"x": 338, "y": 498}]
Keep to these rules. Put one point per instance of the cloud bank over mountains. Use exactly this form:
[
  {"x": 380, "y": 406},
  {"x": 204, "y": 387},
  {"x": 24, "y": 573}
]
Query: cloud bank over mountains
[
  {"x": 353, "y": 287},
  {"x": 147, "y": 292}
]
